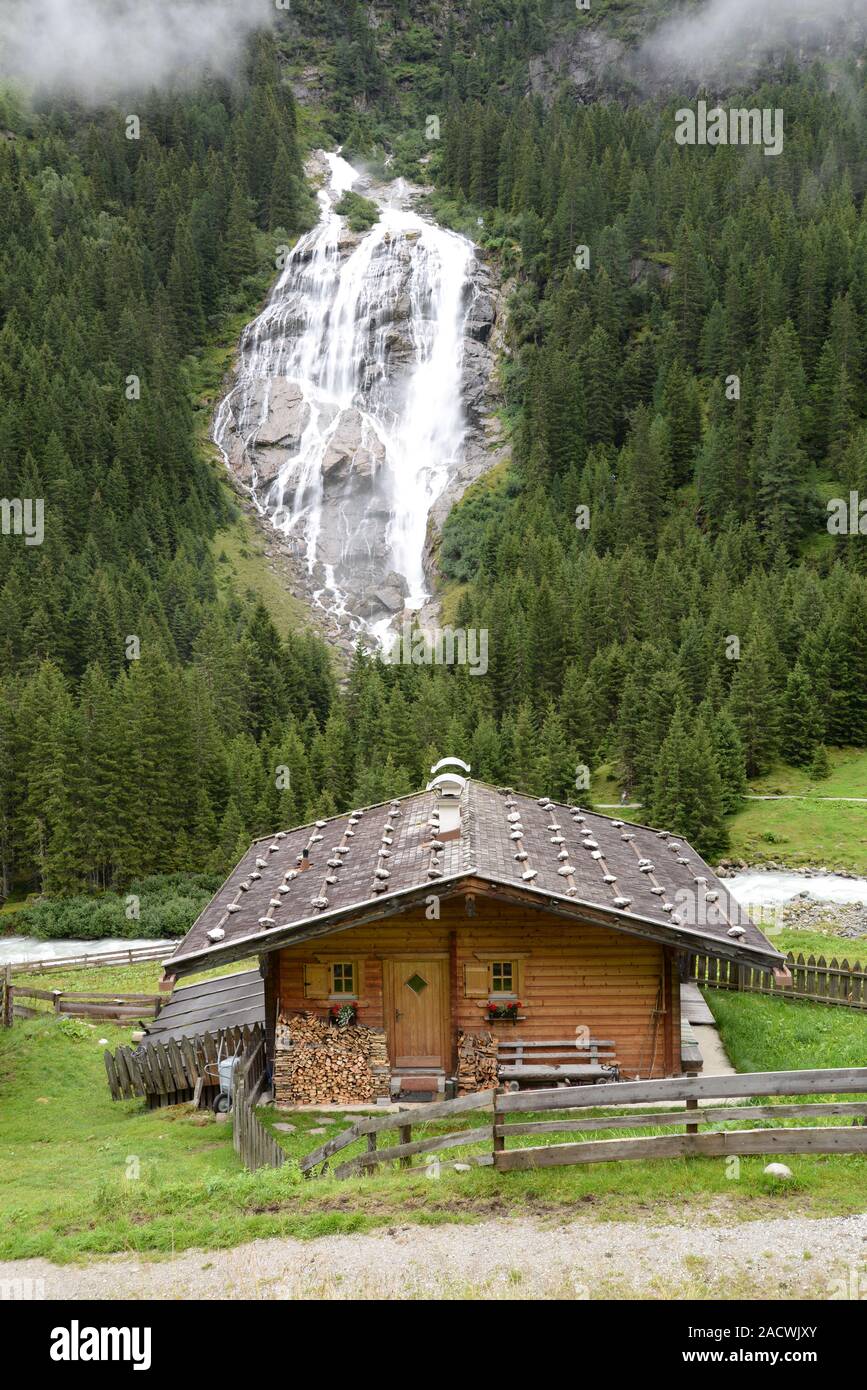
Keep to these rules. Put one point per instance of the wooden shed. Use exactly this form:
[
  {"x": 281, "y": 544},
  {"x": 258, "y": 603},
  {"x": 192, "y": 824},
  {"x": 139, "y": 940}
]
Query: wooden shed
[{"x": 418, "y": 946}]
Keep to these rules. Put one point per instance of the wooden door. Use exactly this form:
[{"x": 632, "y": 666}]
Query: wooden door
[{"x": 415, "y": 1017}]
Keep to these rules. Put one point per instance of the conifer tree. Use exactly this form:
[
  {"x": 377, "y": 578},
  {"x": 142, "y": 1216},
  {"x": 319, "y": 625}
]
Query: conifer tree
[{"x": 802, "y": 722}]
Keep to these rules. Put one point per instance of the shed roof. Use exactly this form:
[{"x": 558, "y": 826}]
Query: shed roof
[
  {"x": 229, "y": 1001},
  {"x": 379, "y": 860}
]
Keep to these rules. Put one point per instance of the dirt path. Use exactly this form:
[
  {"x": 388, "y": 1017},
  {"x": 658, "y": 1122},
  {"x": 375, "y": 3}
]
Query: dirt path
[{"x": 779, "y": 1259}]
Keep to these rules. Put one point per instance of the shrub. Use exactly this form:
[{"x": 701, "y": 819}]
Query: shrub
[
  {"x": 360, "y": 213},
  {"x": 167, "y": 907}
]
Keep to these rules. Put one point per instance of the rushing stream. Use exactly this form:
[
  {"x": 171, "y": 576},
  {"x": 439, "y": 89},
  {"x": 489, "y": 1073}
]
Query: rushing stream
[
  {"x": 346, "y": 418},
  {"x": 774, "y": 887}
]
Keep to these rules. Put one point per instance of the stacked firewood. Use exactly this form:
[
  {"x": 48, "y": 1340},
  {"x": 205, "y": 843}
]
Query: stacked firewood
[
  {"x": 316, "y": 1062},
  {"x": 477, "y": 1062}
]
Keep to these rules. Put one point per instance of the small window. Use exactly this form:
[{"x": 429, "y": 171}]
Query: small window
[
  {"x": 343, "y": 978},
  {"x": 503, "y": 977}
]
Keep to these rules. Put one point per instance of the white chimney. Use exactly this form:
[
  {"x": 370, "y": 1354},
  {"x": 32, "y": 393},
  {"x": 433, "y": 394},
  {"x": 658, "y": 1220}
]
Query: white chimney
[{"x": 449, "y": 786}]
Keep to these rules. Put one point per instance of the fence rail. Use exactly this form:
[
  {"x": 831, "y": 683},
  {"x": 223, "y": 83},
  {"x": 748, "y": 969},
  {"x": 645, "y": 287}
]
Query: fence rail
[
  {"x": 167, "y": 1073},
  {"x": 118, "y": 1008},
  {"x": 370, "y": 1127},
  {"x": 129, "y": 956},
  {"x": 822, "y": 981},
  {"x": 816, "y": 1139}
]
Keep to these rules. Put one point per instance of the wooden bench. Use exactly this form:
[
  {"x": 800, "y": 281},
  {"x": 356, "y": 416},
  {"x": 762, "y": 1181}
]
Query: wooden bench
[{"x": 559, "y": 1060}]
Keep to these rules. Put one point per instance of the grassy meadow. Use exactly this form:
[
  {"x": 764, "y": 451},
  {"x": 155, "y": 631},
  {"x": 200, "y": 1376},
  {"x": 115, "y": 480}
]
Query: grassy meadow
[{"x": 84, "y": 1175}]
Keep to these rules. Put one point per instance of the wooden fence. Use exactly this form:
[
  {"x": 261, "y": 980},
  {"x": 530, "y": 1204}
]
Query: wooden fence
[
  {"x": 509, "y": 1107},
  {"x": 370, "y": 1127},
  {"x": 167, "y": 1073},
  {"x": 116, "y": 1008},
  {"x": 130, "y": 955},
  {"x": 825, "y": 982},
  {"x": 256, "y": 1147},
  {"x": 816, "y": 1139}
]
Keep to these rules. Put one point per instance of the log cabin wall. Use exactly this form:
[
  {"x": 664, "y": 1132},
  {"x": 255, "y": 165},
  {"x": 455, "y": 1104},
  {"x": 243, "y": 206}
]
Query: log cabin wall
[{"x": 618, "y": 986}]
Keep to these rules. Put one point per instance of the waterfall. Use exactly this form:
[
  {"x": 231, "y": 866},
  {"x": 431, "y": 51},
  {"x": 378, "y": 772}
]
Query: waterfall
[{"x": 345, "y": 419}]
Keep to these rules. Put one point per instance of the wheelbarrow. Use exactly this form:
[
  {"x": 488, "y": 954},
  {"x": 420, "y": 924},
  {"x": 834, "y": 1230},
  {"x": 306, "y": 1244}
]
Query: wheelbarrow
[{"x": 222, "y": 1073}]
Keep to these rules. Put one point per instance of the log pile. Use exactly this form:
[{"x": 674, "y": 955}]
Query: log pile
[
  {"x": 477, "y": 1062},
  {"x": 316, "y": 1062}
]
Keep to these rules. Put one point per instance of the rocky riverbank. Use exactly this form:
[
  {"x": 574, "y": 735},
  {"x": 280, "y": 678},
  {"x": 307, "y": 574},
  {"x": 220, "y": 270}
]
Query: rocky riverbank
[
  {"x": 807, "y": 913},
  {"x": 729, "y": 868}
]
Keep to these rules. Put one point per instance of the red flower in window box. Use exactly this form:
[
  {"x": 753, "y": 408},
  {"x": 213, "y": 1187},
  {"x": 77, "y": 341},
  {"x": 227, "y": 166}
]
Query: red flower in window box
[
  {"x": 343, "y": 1014},
  {"x": 508, "y": 1009}
]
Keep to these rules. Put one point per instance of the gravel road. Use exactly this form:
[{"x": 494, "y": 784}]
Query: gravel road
[{"x": 779, "y": 1259}]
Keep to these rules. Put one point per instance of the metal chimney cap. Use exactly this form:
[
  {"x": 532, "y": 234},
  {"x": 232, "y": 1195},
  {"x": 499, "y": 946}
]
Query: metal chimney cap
[{"x": 450, "y": 762}]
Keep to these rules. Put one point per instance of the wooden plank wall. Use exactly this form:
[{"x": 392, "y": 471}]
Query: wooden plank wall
[{"x": 573, "y": 976}]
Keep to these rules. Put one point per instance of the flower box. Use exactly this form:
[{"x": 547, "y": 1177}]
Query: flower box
[{"x": 505, "y": 1012}]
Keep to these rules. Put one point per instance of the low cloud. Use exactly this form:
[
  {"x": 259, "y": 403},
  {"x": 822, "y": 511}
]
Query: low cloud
[
  {"x": 98, "y": 49},
  {"x": 722, "y": 32}
]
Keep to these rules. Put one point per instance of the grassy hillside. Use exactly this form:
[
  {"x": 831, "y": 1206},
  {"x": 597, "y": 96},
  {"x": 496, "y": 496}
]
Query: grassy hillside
[{"x": 815, "y": 830}]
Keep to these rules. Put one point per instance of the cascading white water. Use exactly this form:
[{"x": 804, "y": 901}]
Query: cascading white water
[{"x": 346, "y": 417}]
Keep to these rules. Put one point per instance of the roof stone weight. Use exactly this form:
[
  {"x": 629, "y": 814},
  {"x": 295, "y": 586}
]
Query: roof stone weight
[{"x": 313, "y": 879}]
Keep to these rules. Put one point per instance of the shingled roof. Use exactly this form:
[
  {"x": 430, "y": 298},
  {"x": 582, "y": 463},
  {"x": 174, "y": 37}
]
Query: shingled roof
[{"x": 378, "y": 860}]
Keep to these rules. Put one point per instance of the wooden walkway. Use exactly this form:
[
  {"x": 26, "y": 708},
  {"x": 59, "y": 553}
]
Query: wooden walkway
[{"x": 693, "y": 1006}]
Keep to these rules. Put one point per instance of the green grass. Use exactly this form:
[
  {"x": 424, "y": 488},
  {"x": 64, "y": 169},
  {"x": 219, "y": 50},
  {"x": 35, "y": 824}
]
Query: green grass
[
  {"x": 848, "y": 777},
  {"x": 799, "y": 834},
  {"x": 140, "y": 978},
  {"x": 68, "y": 1152},
  {"x": 795, "y": 833},
  {"x": 7, "y": 910},
  {"x": 605, "y": 792},
  {"x": 819, "y": 943},
  {"x": 243, "y": 567},
  {"x": 761, "y": 1034}
]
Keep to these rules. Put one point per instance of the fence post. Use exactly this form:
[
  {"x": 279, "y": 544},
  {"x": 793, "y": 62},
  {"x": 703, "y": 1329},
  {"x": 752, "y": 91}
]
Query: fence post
[
  {"x": 692, "y": 1104},
  {"x": 7, "y": 997},
  {"x": 405, "y": 1133}
]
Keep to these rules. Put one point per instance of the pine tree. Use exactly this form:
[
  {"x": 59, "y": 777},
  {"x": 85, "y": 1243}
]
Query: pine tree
[
  {"x": 730, "y": 763},
  {"x": 754, "y": 705},
  {"x": 687, "y": 796},
  {"x": 240, "y": 245},
  {"x": 802, "y": 723}
]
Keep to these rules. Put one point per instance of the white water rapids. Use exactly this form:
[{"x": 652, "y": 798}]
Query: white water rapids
[{"x": 345, "y": 419}]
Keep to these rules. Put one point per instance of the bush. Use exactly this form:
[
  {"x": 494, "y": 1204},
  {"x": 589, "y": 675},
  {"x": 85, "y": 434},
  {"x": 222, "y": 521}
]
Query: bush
[
  {"x": 360, "y": 213},
  {"x": 167, "y": 907}
]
